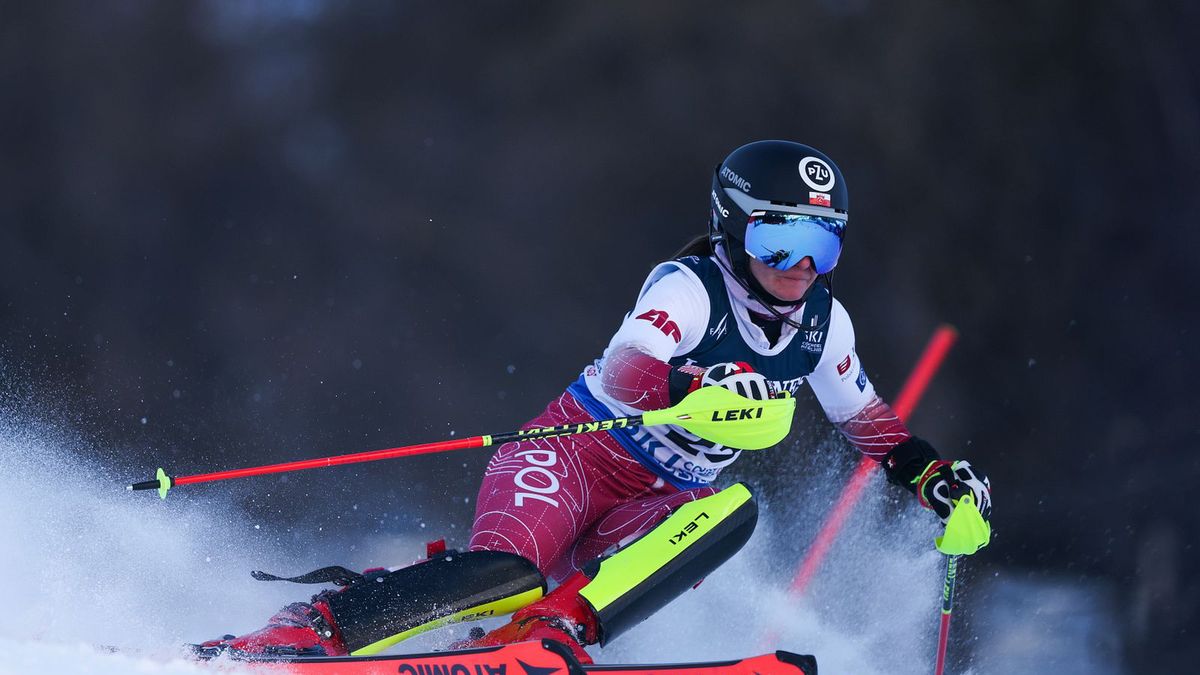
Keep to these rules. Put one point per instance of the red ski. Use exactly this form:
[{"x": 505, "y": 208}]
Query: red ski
[
  {"x": 779, "y": 663},
  {"x": 525, "y": 658}
]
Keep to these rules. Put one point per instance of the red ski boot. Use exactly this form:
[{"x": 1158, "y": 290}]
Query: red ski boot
[
  {"x": 561, "y": 616},
  {"x": 300, "y": 629}
]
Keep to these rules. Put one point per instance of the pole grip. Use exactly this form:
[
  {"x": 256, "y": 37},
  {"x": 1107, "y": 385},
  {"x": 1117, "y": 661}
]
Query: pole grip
[{"x": 162, "y": 482}]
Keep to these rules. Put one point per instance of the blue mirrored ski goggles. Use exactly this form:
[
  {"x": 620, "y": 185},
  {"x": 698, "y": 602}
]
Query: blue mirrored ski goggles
[{"x": 781, "y": 240}]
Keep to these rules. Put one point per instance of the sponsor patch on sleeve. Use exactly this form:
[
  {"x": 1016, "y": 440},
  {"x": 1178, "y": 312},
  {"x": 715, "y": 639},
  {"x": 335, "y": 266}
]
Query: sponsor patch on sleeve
[
  {"x": 862, "y": 380},
  {"x": 662, "y": 321}
]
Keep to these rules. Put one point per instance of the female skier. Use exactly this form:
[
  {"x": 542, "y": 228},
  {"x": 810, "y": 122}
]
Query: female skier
[{"x": 628, "y": 519}]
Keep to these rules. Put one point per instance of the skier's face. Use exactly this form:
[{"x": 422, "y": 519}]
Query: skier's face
[{"x": 790, "y": 284}]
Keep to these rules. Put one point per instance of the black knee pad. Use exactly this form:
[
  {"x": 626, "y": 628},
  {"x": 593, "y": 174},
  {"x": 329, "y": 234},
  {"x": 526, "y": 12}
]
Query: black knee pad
[{"x": 378, "y": 611}]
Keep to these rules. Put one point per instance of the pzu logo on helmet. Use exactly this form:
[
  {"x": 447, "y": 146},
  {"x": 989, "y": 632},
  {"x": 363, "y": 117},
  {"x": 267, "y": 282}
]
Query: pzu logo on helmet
[{"x": 816, "y": 173}]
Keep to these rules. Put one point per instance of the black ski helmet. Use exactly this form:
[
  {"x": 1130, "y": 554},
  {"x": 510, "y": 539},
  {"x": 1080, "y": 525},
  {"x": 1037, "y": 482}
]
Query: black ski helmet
[{"x": 771, "y": 176}]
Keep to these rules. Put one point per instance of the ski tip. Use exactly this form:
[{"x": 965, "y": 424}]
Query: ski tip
[{"x": 807, "y": 663}]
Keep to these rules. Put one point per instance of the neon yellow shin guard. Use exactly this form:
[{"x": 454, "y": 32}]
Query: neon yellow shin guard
[{"x": 633, "y": 583}]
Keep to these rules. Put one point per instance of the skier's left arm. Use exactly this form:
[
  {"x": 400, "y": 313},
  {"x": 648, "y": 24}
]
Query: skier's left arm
[{"x": 867, "y": 421}]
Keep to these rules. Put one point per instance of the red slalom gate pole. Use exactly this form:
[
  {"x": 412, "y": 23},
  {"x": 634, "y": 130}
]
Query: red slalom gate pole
[
  {"x": 926, "y": 367},
  {"x": 910, "y": 394}
]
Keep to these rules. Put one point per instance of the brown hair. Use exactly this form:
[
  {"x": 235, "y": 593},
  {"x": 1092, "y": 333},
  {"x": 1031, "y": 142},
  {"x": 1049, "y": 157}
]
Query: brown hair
[{"x": 700, "y": 245}]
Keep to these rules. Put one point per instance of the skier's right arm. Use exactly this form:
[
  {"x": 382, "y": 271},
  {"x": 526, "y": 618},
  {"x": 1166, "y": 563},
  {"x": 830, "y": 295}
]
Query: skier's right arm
[{"x": 670, "y": 318}]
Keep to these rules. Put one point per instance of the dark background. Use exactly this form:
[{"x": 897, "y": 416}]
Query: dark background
[{"x": 238, "y": 233}]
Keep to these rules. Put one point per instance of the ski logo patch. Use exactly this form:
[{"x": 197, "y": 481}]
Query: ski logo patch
[
  {"x": 478, "y": 615},
  {"x": 688, "y": 529},
  {"x": 734, "y": 415},
  {"x": 662, "y": 321},
  {"x": 844, "y": 365},
  {"x": 718, "y": 206},
  {"x": 813, "y": 341},
  {"x": 742, "y": 183},
  {"x": 478, "y": 668}
]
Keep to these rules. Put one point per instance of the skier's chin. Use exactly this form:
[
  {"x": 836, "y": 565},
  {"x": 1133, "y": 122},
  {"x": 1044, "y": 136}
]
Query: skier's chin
[
  {"x": 791, "y": 291},
  {"x": 787, "y": 285}
]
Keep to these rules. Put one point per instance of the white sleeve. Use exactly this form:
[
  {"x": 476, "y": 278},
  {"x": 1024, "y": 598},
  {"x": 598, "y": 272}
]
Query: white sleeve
[
  {"x": 670, "y": 316},
  {"x": 839, "y": 381}
]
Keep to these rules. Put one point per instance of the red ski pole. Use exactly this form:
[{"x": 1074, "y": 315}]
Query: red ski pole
[
  {"x": 714, "y": 413},
  {"x": 947, "y": 607}
]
